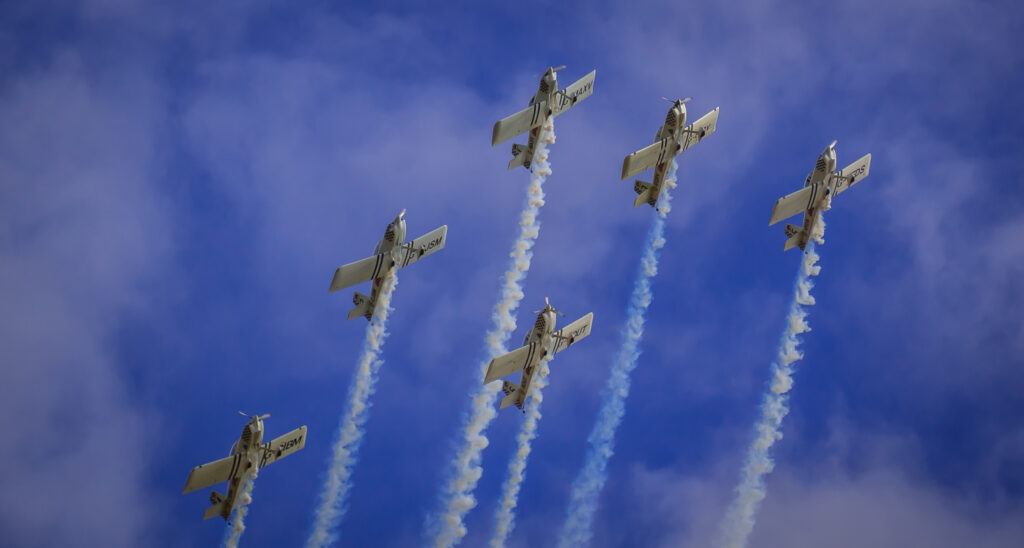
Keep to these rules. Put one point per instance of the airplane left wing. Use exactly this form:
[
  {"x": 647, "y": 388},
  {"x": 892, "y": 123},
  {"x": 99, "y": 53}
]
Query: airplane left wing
[
  {"x": 853, "y": 173},
  {"x": 520, "y": 122},
  {"x": 515, "y": 360},
  {"x": 423, "y": 246},
  {"x": 576, "y": 92},
  {"x": 647, "y": 157},
  {"x": 213, "y": 473},
  {"x": 283, "y": 446},
  {"x": 697, "y": 131},
  {"x": 357, "y": 272},
  {"x": 573, "y": 332},
  {"x": 794, "y": 203}
]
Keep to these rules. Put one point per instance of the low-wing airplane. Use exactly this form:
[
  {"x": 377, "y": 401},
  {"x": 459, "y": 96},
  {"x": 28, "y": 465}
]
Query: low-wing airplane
[
  {"x": 391, "y": 252},
  {"x": 820, "y": 186},
  {"x": 672, "y": 138},
  {"x": 549, "y": 101},
  {"x": 539, "y": 342},
  {"x": 239, "y": 461}
]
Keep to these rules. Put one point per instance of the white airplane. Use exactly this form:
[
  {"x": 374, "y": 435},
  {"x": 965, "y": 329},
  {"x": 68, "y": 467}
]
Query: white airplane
[
  {"x": 391, "y": 252},
  {"x": 549, "y": 101},
  {"x": 820, "y": 186},
  {"x": 673, "y": 138},
  {"x": 233, "y": 467},
  {"x": 539, "y": 342}
]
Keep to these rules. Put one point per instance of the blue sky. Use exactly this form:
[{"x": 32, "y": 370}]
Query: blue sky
[{"x": 177, "y": 186}]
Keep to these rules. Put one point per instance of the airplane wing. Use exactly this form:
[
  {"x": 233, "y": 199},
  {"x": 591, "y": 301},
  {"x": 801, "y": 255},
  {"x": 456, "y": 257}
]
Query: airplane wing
[
  {"x": 853, "y": 173},
  {"x": 213, "y": 473},
  {"x": 794, "y": 203},
  {"x": 357, "y": 272},
  {"x": 424, "y": 245},
  {"x": 520, "y": 122},
  {"x": 573, "y": 332},
  {"x": 647, "y": 157},
  {"x": 283, "y": 446},
  {"x": 697, "y": 131},
  {"x": 578, "y": 91},
  {"x": 514, "y": 361}
]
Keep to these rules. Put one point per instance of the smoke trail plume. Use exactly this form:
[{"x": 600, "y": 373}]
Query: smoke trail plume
[
  {"x": 586, "y": 488},
  {"x": 234, "y": 531},
  {"x": 350, "y": 430},
  {"x": 739, "y": 520},
  {"x": 505, "y": 515},
  {"x": 457, "y": 498}
]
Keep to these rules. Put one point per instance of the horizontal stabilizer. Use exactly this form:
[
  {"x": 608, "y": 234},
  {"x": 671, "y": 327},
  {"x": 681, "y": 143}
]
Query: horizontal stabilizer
[
  {"x": 219, "y": 508},
  {"x": 364, "y": 307},
  {"x": 795, "y": 240},
  {"x": 512, "y": 396},
  {"x": 520, "y": 122},
  {"x": 640, "y": 186},
  {"x": 853, "y": 173},
  {"x": 794, "y": 203},
  {"x": 519, "y": 157},
  {"x": 359, "y": 272},
  {"x": 646, "y": 197},
  {"x": 792, "y": 229},
  {"x": 514, "y": 361}
]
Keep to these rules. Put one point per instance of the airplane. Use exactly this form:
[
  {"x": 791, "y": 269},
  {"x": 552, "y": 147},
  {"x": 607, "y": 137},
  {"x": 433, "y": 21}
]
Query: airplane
[
  {"x": 672, "y": 139},
  {"x": 239, "y": 461},
  {"x": 820, "y": 186},
  {"x": 548, "y": 102},
  {"x": 540, "y": 341},
  {"x": 391, "y": 252}
]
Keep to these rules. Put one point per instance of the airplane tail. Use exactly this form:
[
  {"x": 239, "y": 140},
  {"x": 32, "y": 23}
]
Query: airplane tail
[
  {"x": 512, "y": 395},
  {"x": 793, "y": 241},
  {"x": 644, "y": 193},
  {"x": 792, "y": 229},
  {"x": 217, "y": 509},
  {"x": 518, "y": 156},
  {"x": 362, "y": 307}
]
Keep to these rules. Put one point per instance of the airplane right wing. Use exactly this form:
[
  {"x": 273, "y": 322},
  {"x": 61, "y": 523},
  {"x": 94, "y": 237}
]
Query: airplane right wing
[
  {"x": 283, "y": 446},
  {"x": 648, "y": 157},
  {"x": 697, "y": 131},
  {"x": 213, "y": 473},
  {"x": 520, "y": 122},
  {"x": 576, "y": 92},
  {"x": 423, "y": 246},
  {"x": 515, "y": 360},
  {"x": 853, "y": 173},
  {"x": 573, "y": 332},
  {"x": 794, "y": 203},
  {"x": 357, "y": 272}
]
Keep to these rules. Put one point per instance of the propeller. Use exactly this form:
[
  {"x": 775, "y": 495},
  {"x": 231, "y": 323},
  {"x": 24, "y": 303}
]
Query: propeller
[
  {"x": 261, "y": 417},
  {"x": 402, "y": 214},
  {"x": 553, "y": 70},
  {"x": 833, "y": 145},
  {"x": 547, "y": 305},
  {"x": 687, "y": 100}
]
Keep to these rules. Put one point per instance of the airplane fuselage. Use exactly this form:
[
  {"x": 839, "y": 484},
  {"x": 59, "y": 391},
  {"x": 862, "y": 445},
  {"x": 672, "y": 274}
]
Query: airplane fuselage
[
  {"x": 821, "y": 177},
  {"x": 540, "y": 335},
  {"x": 252, "y": 437},
  {"x": 546, "y": 91},
  {"x": 394, "y": 238}
]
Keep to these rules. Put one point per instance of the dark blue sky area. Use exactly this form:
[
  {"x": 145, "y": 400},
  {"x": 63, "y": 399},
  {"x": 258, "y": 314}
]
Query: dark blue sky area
[{"x": 177, "y": 186}]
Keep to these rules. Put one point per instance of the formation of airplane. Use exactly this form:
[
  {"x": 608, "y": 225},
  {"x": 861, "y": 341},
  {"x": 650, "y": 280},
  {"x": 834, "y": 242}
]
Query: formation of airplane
[
  {"x": 672, "y": 139},
  {"x": 540, "y": 341},
  {"x": 247, "y": 452},
  {"x": 821, "y": 185},
  {"x": 548, "y": 102},
  {"x": 391, "y": 252}
]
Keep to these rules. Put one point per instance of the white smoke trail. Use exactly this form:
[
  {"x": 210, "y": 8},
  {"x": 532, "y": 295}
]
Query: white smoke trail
[
  {"x": 457, "y": 498},
  {"x": 586, "y": 488},
  {"x": 504, "y": 516},
  {"x": 234, "y": 531},
  {"x": 739, "y": 520},
  {"x": 350, "y": 430}
]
